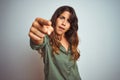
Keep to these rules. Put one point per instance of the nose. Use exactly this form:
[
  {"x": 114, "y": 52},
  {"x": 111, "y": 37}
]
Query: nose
[{"x": 64, "y": 22}]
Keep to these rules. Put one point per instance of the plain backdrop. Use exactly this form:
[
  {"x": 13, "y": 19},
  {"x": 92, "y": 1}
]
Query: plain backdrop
[{"x": 99, "y": 34}]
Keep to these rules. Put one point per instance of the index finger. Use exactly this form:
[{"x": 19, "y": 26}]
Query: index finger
[{"x": 42, "y": 21}]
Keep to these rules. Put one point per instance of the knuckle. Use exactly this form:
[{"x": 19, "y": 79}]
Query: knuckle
[
  {"x": 34, "y": 24},
  {"x": 30, "y": 34},
  {"x": 34, "y": 30},
  {"x": 31, "y": 29},
  {"x": 37, "y": 18}
]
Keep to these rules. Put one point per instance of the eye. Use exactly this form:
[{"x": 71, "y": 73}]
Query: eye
[{"x": 62, "y": 17}]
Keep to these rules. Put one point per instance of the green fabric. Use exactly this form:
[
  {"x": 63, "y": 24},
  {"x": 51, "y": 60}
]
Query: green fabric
[{"x": 58, "y": 66}]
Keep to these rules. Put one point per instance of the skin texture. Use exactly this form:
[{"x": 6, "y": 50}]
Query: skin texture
[
  {"x": 62, "y": 23},
  {"x": 62, "y": 26},
  {"x": 41, "y": 27}
]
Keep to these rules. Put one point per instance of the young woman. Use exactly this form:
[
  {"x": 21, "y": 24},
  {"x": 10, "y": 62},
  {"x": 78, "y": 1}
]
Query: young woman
[{"x": 57, "y": 40}]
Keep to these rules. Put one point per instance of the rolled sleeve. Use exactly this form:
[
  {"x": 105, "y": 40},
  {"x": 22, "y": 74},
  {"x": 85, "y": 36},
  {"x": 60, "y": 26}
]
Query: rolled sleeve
[{"x": 39, "y": 46}]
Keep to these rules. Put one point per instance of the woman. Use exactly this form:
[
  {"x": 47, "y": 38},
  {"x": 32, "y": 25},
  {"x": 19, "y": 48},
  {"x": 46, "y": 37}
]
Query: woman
[{"x": 57, "y": 40}]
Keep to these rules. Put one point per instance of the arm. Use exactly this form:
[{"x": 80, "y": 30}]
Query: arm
[
  {"x": 39, "y": 46},
  {"x": 38, "y": 30}
]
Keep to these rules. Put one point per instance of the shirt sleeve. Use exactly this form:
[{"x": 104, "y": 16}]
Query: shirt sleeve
[{"x": 39, "y": 46}]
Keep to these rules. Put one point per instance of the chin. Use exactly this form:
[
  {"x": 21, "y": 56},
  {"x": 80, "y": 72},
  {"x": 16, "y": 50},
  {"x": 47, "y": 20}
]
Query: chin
[{"x": 59, "y": 34}]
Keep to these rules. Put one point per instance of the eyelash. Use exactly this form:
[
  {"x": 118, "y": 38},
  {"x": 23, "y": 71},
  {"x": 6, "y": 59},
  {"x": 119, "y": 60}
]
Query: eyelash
[{"x": 61, "y": 17}]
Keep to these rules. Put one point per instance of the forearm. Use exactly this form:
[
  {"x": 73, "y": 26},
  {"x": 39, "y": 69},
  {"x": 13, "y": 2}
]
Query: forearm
[{"x": 35, "y": 46}]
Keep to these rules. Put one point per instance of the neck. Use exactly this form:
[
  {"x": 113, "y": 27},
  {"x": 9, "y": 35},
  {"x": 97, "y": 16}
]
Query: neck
[
  {"x": 64, "y": 43},
  {"x": 61, "y": 37}
]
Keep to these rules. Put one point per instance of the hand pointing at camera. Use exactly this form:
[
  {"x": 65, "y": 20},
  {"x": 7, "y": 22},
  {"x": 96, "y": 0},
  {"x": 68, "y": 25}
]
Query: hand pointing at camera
[{"x": 39, "y": 29}]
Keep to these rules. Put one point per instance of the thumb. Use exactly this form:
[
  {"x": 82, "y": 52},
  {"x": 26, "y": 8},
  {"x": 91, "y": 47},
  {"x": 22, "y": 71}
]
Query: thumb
[{"x": 50, "y": 30}]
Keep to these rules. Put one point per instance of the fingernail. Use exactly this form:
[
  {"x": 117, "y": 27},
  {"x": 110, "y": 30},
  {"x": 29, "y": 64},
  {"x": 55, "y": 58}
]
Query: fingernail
[{"x": 48, "y": 32}]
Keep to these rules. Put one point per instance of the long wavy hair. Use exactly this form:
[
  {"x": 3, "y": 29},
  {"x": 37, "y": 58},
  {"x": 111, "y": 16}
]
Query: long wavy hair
[{"x": 71, "y": 35}]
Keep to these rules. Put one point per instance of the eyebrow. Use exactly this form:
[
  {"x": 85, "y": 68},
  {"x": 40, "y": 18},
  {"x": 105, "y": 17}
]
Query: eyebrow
[{"x": 64, "y": 17}]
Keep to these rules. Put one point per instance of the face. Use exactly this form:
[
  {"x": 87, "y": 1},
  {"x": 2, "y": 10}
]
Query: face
[{"x": 62, "y": 23}]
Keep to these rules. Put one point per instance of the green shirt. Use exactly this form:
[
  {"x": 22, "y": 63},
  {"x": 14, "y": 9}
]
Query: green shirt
[{"x": 58, "y": 66}]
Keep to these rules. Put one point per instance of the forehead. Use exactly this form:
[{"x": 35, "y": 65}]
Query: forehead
[{"x": 66, "y": 14}]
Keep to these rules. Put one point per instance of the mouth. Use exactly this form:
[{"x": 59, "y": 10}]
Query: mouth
[{"x": 61, "y": 28}]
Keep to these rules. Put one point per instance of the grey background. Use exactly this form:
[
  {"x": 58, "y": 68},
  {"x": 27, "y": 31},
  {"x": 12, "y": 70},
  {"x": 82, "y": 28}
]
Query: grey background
[{"x": 99, "y": 25}]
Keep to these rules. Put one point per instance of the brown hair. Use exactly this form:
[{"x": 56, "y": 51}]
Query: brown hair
[{"x": 71, "y": 35}]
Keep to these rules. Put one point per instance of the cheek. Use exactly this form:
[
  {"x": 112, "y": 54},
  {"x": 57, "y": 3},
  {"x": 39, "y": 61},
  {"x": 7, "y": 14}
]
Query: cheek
[
  {"x": 68, "y": 27},
  {"x": 57, "y": 22}
]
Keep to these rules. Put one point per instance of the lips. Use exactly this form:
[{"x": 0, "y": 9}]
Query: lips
[{"x": 61, "y": 28}]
